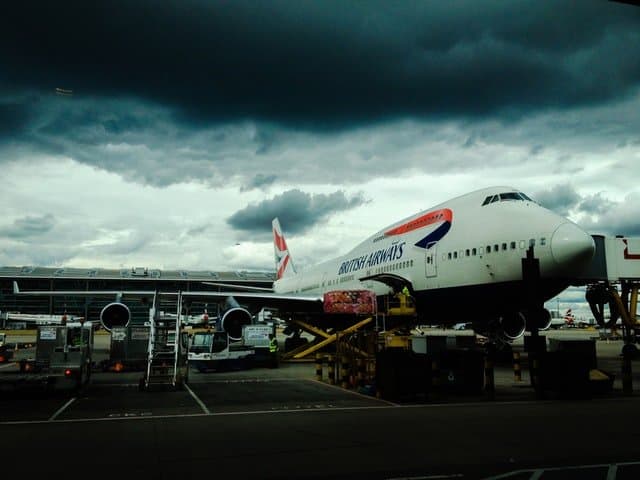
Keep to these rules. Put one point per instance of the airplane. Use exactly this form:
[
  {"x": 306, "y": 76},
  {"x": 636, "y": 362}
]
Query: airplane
[
  {"x": 37, "y": 319},
  {"x": 567, "y": 320},
  {"x": 467, "y": 250}
]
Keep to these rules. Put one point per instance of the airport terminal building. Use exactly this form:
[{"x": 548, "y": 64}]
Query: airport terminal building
[{"x": 31, "y": 278}]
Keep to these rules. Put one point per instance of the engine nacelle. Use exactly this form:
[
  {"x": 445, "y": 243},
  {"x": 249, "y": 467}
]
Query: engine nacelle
[
  {"x": 233, "y": 318},
  {"x": 115, "y": 315},
  {"x": 512, "y": 325},
  {"x": 540, "y": 318}
]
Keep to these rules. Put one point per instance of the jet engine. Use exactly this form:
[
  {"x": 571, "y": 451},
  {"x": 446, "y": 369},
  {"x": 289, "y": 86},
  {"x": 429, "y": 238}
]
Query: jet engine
[
  {"x": 115, "y": 314},
  {"x": 512, "y": 325},
  {"x": 233, "y": 318},
  {"x": 539, "y": 318}
]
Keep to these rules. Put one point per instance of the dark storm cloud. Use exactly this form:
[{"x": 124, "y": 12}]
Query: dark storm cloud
[
  {"x": 560, "y": 198},
  {"x": 596, "y": 204},
  {"x": 624, "y": 224},
  {"x": 259, "y": 181},
  {"x": 296, "y": 210},
  {"x": 325, "y": 64},
  {"x": 15, "y": 116},
  {"x": 30, "y": 226},
  {"x": 595, "y": 213},
  {"x": 610, "y": 217}
]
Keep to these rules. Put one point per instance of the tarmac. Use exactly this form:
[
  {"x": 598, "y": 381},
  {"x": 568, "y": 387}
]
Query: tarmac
[{"x": 282, "y": 423}]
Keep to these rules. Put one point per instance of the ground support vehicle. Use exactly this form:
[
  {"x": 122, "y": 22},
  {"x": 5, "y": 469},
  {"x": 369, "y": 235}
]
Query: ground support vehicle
[
  {"x": 128, "y": 348},
  {"x": 6, "y": 354},
  {"x": 167, "y": 355},
  {"x": 63, "y": 357},
  {"x": 214, "y": 350}
]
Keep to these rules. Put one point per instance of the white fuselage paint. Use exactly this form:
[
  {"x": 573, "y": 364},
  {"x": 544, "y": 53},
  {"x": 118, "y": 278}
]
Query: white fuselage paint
[{"x": 484, "y": 245}]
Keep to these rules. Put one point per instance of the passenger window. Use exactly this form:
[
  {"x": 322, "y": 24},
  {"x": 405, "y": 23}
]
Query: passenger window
[
  {"x": 455, "y": 254},
  {"x": 488, "y": 248},
  {"x": 513, "y": 245},
  {"x": 473, "y": 252},
  {"x": 521, "y": 244},
  {"x": 481, "y": 251},
  {"x": 504, "y": 246},
  {"x": 543, "y": 241},
  {"x": 449, "y": 255},
  {"x": 467, "y": 252},
  {"x": 495, "y": 248},
  {"x": 532, "y": 242}
]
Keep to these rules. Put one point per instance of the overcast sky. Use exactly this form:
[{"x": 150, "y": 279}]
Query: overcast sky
[{"x": 192, "y": 123}]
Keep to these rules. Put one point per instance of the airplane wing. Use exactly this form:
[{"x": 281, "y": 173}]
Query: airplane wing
[
  {"x": 239, "y": 287},
  {"x": 34, "y": 319},
  {"x": 86, "y": 293},
  {"x": 289, "y": 302},
  {"x": 254, "y": 300}
]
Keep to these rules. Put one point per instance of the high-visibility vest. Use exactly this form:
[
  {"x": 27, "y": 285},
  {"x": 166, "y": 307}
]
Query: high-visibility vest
[{"x": 273, "y": 346}]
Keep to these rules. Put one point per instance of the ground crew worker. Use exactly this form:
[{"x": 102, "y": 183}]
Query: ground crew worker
[
  {"x": 273, "y": 350},
  {"x": 405, "y": 291},
  {"x": 75, "y": 337}
]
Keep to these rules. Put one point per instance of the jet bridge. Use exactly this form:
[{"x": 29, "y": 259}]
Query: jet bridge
[{"x": 616, "y": 263}]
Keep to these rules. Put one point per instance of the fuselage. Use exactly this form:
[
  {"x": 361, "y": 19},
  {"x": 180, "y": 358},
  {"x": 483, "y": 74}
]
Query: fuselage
[{"x": 468, "y": 249}]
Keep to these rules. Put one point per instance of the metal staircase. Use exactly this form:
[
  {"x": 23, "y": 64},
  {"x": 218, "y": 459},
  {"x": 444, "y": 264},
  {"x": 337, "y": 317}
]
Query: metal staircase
[{"x": 168, "y": 348}]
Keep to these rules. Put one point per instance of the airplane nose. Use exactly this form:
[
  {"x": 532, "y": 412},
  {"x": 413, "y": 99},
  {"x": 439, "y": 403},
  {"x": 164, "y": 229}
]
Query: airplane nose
[{"x": 571, "y": 247}]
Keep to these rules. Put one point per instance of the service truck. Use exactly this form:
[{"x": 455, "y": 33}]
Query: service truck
[
  {"x": 213, "y": 350},
  {"x": 6, "y": 353},
  {"x": 63, "y": 357}
]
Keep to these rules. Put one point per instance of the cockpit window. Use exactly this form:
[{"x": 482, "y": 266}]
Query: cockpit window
[
  {"x": 505, "y": 197},
  {"x": 525, "y": 197},
  {"x": 509, "y": 196}
]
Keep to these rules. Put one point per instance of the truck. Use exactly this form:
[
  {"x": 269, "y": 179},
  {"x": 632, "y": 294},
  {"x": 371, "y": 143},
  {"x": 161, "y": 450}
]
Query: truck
[
  {"x": 213, "y": 350},
  {"x": 63, "y": 357},
  {"x": 6, "y": 353}
]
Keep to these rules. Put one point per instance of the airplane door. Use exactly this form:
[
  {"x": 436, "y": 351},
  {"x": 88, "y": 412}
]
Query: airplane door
[{"x": 431, "y": 266}]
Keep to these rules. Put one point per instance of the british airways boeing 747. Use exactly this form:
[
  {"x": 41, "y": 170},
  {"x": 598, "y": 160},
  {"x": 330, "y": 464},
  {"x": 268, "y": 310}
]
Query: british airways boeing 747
[{"x": 468, "y": 250}]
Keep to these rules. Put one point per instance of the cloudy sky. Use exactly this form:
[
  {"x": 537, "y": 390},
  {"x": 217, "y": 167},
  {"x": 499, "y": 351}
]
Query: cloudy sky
[{"x": 183, "y": 127}]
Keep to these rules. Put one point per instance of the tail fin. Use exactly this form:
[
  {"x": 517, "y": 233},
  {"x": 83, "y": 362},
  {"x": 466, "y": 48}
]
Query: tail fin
[{"x": 284, "y": 264}]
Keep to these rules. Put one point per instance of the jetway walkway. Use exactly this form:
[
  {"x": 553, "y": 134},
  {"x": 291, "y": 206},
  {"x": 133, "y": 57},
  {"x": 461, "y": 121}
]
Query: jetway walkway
[{"x": 613, "y": 281}]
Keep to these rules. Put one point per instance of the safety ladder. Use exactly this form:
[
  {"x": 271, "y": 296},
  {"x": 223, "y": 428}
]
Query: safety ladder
[{"x": 167, "y": 354}]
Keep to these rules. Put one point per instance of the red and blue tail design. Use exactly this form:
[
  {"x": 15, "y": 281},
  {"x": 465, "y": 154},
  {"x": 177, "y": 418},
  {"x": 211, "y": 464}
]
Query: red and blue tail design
[{"x": 284, "y": 264}]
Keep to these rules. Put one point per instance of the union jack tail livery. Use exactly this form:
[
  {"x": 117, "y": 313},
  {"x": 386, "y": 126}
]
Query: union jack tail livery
[
  {"x": 569, "y": 317},
  {"x": 284, "y": 264}
]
